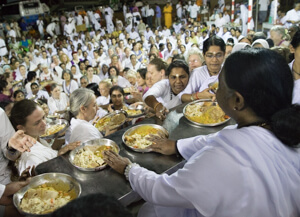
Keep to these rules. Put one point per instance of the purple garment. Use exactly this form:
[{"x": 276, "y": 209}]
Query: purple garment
[
  {"x": 158, "y": 11},
  {"x": 3, "y": 97}
]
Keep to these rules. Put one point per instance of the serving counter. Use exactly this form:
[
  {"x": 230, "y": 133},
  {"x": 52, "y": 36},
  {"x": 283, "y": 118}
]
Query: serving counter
[{"x": 111, "y": 183}]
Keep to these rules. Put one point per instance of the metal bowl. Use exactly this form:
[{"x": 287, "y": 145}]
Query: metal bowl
[
  {"x": 95, "y": 142},
  {"x": 111, "y": 115},
  {"x": 56, "y": 122},
  {"x": 200, "y": 124},
  {"x": 129, "y": 131},
  {"x": 139, "y": 107},
  {"x": 62, "y": 181}
]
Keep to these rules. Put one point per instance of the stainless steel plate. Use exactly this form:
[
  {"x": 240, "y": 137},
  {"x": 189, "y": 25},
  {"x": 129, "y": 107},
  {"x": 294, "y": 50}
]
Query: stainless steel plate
[
  {"x": 201, "y": 101},
  {"x": 95, "y": 142},
  {"x": 56, "y": 122},
  {"x": 111, "y": 115},
  {"x": 65, "y": 181},
  {"x": 129, "y": 131}
]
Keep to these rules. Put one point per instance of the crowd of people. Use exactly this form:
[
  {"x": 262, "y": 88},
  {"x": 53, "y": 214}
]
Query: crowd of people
[{"x": 79, "y": 68}]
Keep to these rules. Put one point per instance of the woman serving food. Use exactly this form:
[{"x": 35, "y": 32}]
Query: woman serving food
[{"x": 255, "y": 163}]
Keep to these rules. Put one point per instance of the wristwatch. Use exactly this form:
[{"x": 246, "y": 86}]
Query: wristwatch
[
  {"x": 127, "y": 169},
  {"x": 10, "y": 149}
]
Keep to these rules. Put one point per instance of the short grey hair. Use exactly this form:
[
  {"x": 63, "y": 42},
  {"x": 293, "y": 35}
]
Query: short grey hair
[
  {"x": 281, "y": 30},
  {"x": 80, "y": 97},
  {"x": 196, "y": 51}
]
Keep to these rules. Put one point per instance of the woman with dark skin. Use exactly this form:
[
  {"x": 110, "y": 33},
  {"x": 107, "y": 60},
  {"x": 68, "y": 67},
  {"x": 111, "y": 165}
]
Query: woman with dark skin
[{"x": 257, "y": 159}]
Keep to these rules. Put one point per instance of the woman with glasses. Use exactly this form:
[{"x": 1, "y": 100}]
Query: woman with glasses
[{"x": 197, "y": 88}]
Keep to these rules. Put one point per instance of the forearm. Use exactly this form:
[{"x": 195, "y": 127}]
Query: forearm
[{"x": 151, "y": 101}]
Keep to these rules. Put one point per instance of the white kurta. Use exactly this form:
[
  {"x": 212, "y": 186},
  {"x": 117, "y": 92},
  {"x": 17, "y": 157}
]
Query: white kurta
[
  {"x": 230, "y": 173},
  {"x": 81, "y": 130},
  {"x": 6, "y": 132},
  {"x": 162, "y": 90},
  {"x": 199, "y": 81}
]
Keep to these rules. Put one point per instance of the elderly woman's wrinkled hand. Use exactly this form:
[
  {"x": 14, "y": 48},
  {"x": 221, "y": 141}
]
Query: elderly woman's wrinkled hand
[
  {"x": 21, "y": 142},
  {"x": 115, "y": 161}
]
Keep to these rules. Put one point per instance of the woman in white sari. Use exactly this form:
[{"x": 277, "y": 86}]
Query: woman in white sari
[{"x": 248, "y": 169}]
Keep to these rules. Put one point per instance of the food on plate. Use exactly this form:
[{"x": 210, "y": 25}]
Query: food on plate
[
  {"x": 45, "y": 199},
  {"x": 91, "y": 156},
  {"x": 134, "y": 112},
  {"x": 205, "y": 113},
  {"x": 54, "y": 129},
  {"x": 138, "y": 138},
  {"x": 110, "y": 121}
]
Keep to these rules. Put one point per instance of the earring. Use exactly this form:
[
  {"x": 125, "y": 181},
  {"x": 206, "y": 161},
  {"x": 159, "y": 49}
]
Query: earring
[{"x": 234, "y": 108}]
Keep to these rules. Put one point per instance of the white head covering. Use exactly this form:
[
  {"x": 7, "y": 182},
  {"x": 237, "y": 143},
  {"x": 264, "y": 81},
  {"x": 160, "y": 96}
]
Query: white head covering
[
  {"x": 240, "y": 46},
  {"x": 263, "y": 42}
]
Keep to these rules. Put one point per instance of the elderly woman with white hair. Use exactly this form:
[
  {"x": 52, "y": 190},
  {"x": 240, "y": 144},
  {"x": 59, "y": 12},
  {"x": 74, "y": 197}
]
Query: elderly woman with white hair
[
  {"x": 83, "y": 109},
  {"x": 280, "y": 36},
  {"x": 194, "y": 58}
]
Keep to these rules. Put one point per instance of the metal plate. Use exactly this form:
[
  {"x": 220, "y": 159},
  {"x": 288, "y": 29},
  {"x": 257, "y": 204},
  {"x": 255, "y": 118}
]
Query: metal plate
[
  {"x": 56, "y": 122},
  {"x": 111, "y": 115},
  {"x": 95, "y": 142},
  {"x": 200, "y": 124},
  {"x": 129, "y": 131},
  {"x": 65, "y": 181}
]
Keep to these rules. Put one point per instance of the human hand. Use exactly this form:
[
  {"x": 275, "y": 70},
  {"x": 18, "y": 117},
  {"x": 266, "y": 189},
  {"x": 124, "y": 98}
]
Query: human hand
[
  {"x": 115, "y": 161},
  {"x": 109, "y": 108},
  {"x": 161, "y": 112},
  {"x": 28, "y": 172},
  {"x": 69, "y": 147},
  {"x": 21, "y": 142},
  {"x": 162, "y": 145},
  {"x": 205, "y": 94},
  {"x": 10, "y": 189}
]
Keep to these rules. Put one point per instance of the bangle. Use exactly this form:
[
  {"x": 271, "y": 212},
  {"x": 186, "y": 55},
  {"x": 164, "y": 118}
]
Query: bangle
[
  {"x": 156, "y": 106},
  {"x": 192, "y": 98},
  {"x": 127, "y": 169}
]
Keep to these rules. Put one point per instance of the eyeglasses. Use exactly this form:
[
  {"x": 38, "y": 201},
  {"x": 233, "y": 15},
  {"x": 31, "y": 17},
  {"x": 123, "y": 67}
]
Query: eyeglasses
[{"x": 218, "y": 56}]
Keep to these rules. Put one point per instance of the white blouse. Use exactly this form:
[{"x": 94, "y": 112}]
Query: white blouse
[
  {"x": 102, "y": 100},
  {"x": 199, "y": 81},
  {"x": 162, "y": 92},
  {"x": 81, "y": 130},
  {"x": 69, "y": 89},
  {"x": 58, "y": 104}
]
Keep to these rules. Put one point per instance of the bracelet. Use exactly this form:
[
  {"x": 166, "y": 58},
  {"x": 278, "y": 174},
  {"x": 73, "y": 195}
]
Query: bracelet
[
  {"x": 192, "y": 98},
  {"x": 127, "y": 169},
  {"x": 156, "y": 106}
]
